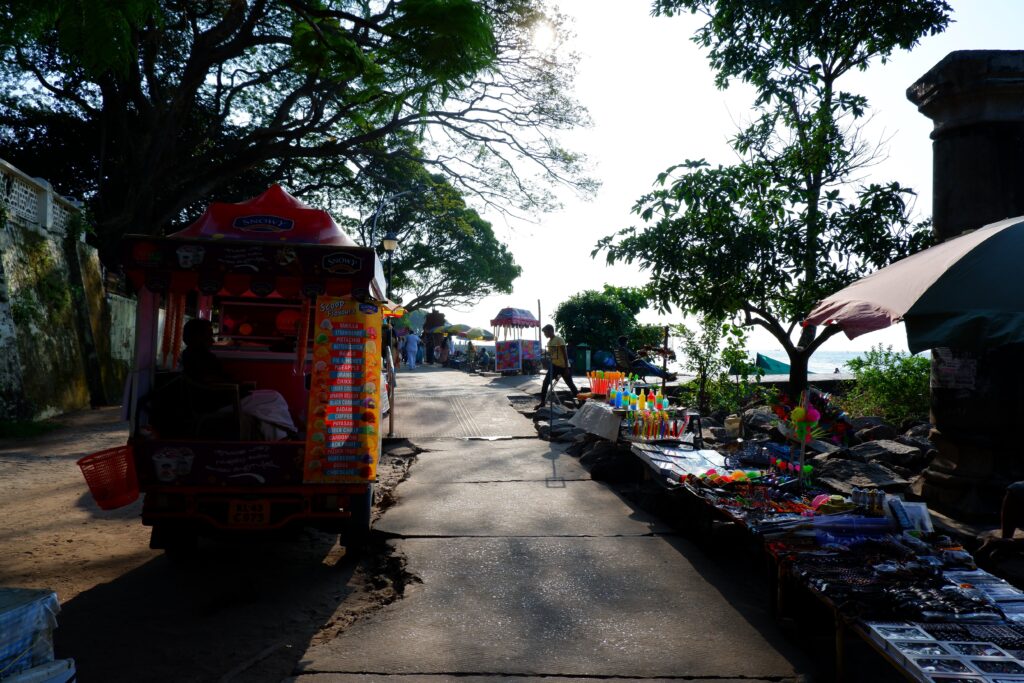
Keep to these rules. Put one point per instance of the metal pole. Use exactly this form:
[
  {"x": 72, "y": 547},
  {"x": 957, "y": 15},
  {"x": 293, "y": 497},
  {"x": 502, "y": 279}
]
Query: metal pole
[
  {"x": 664, "y": 363},
  {"x": 394, "y": 373}
]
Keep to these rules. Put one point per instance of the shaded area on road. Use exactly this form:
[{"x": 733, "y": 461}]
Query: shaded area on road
[
  {"x": 636, "y": 606},
  {"x": 198, "y": 619}
]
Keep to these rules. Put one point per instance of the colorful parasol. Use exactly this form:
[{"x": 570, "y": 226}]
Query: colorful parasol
[
  {"x": 459, "y": 329},
  {"x": 391, "y": 309},
  {"x": 515, "y": 317},
  {"x": 477, "y": 333}
]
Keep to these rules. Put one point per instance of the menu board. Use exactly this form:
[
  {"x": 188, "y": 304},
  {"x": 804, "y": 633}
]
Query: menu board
[{"x": 343, "y": 429}]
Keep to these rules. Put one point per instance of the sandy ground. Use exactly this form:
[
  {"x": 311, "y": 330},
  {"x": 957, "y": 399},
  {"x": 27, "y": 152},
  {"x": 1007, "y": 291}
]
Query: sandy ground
[{"x": 236, "y": 611}]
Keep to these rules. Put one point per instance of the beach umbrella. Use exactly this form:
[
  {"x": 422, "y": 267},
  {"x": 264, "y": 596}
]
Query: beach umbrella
[
  {"x": 477, "y": 333},
  {"x": 957, "y": 294},
  {"x": 390, "y": 309},
  {"x": 460, "y": 329},
  {"x": 438, "y": 329}
]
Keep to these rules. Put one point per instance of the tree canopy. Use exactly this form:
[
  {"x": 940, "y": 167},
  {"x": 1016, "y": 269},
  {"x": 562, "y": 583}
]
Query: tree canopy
[
  {"x": 771, "y": 235},
  {"x": 600, "y": 318},
  {"x": 448, "y": 255},
  {"x": 148, "y": 108}
]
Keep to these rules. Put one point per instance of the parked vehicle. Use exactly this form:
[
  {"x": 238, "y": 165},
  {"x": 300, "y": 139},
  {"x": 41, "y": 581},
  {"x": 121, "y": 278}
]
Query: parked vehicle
[{"x": 295, "y": 309}]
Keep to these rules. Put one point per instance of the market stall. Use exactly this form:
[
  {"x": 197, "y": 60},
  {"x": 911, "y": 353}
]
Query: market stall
[
  {"x": 872, "y": 562},
  {"x": 511, "y": 350},
  {"x": 867, "y": 565}
]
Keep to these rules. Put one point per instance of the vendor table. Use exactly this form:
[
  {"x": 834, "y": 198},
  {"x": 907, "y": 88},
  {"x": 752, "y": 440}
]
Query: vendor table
[{"x": 920, "y": 604}]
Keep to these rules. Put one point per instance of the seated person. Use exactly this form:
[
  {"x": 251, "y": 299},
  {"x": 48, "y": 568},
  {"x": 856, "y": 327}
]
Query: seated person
[
  {"x": 641, "y": 365},
  {"x": 1011, "y": 518},
  {"x": 265, "y": 414},
  {"x": 197, "y": 361}
]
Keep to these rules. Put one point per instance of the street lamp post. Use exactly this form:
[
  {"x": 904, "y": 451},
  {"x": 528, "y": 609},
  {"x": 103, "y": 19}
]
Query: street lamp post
[{"x": 390, "y": 244}]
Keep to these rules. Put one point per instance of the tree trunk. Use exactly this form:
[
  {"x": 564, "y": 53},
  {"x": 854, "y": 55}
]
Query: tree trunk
[{"x": 797, "y": 372}]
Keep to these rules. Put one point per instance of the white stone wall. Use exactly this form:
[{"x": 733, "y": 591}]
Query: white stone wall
[{"x": 41, "y": 364}]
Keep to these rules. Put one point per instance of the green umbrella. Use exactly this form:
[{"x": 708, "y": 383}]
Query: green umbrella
[
  {"x": 440, "y": 329},
  {"x": 459, "y": 329},
  {"x": 477, "y": 333}
]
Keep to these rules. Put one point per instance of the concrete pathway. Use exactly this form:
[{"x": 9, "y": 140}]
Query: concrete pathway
[{"x": 530, "y": 569}]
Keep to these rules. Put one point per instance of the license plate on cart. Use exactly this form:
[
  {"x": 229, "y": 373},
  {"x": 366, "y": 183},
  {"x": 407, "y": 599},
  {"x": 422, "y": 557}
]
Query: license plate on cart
[{"x": 249, "y": 513}]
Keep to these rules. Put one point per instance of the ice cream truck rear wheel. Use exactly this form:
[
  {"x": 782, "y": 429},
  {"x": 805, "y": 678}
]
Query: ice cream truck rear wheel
[
  {"x": 175, "y": 540},
  {"x": 356, "y": 530}
]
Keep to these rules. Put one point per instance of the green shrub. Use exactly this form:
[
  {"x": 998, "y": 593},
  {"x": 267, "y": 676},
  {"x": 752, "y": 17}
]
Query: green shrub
[
  {"x": 24, "y": 428},
  {"x": 716, "y": 355},
  {"x": 889, "y": 384}
]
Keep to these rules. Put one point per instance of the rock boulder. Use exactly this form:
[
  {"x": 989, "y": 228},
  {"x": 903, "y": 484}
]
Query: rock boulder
[
  {"x": 887, "y": 452},
  {"x": 841, "y": 476}
]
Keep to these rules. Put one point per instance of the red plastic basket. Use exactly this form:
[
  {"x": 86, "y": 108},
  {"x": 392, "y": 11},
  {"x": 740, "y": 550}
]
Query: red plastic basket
[{"x": 110, "y": 475}]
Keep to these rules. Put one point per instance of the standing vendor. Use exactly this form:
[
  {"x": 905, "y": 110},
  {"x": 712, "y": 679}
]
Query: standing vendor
[{"x": 558, "y": 358}]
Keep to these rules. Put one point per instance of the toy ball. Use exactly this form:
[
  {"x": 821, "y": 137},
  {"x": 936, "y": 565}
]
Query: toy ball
[
  {"x": 813, "y": 415},
  {"x": 798, "y": 414}
]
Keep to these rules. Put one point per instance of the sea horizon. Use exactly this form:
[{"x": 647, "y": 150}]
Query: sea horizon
[{"x": 822, "y": 362}]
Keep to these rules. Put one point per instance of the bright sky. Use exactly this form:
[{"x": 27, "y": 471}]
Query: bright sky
[{"x": 651, "y": 95}]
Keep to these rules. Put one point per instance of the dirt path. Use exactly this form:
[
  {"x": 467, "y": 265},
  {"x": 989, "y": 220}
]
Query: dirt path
[{"x": 242, "y": 611}]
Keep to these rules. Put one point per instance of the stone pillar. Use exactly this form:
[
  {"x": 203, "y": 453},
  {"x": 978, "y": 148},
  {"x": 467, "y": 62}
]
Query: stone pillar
[{"x": 976, "y": 100}]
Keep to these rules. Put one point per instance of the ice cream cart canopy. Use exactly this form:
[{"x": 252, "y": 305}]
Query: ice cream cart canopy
[
  {"x": 274, "y": 216},
  {"x": 515, "y": 317},
  {"x": 296, "y": 250}
]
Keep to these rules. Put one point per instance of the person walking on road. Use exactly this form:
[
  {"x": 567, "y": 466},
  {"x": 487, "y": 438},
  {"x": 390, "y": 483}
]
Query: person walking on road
[
  {"x": 558, "y": 357},
  {"x": 412, "y": 346}
]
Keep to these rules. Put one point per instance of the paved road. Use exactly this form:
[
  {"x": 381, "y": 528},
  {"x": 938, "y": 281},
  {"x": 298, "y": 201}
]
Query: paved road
[{"x": 530, "y": 569}]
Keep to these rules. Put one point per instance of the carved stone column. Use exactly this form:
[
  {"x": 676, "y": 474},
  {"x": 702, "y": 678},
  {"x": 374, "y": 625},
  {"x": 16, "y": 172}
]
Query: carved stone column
[{"x": 976, "y": 100}]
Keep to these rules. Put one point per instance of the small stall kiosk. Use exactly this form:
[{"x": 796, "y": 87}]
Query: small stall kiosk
[
  {"x": 296, "y": 310},
  {"x": 512, "y": 350}
]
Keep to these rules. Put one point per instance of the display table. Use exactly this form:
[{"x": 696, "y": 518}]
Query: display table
[
  {"x": 672, "y": 462},
  {"x": 913, "y": 595},
  {"x": 598, "y": 419}
]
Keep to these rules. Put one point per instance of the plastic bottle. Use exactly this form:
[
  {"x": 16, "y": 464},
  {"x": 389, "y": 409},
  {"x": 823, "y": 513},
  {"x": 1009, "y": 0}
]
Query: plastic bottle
[{"x": 641, "y": 401}]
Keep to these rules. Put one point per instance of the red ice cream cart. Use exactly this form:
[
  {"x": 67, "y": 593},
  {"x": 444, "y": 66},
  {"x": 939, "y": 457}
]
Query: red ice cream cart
[{"x": 295, "y": 308}]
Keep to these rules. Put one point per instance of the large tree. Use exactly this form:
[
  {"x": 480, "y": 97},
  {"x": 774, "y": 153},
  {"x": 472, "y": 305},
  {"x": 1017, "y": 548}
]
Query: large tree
[
  {"x": 787, "y": 225},
  {"x": 448, "y": 255},
  {"x": 146, "y": 108}
]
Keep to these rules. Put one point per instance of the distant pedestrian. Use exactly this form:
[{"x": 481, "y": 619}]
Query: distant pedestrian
[
  {"x": 558, "y": 357},
  {"x": 412, "y": 347}
]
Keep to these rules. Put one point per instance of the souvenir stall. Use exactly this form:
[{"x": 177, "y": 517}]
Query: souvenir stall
[
  {"x": 510, "y": 349},
  {"x": 869, "y": 561}
]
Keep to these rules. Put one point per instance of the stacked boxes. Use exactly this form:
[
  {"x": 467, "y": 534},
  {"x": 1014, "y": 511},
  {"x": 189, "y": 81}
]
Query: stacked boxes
[{"x": 27, "y": 620}]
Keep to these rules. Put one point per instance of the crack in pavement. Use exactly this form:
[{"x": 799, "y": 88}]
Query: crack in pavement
[{"x": 595, "y": 677}]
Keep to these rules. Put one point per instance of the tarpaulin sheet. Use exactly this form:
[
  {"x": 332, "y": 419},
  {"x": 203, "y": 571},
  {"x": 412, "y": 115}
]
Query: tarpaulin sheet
[{"x": 27, "y": 620}]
